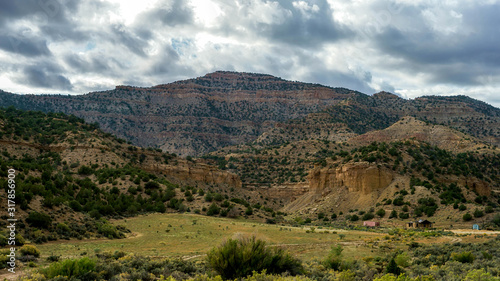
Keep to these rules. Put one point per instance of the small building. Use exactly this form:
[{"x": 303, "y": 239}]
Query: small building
[
  {"x": 371, "y": 223},
  {"x": 475, "y": 226},
  {"x": 420, "y": 224}
]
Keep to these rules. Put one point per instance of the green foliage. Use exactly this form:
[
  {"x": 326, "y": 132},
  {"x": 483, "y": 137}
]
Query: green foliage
[
  {"x": 110, "y": 231},
  {"x": 426, "y": 206},
  {"x": 393, "y": 268},
  {"x": 334, "y": 258},
  {"x": 368, "y": 216},
  {"x": 381, "y": 213},
  {"x": 496, "y": 220},
  {"x": 29, "y": 250},
  {"x": 463, "y": 257},
  {"x": 3, "y": 240},
  {"x": 480, "y": 275},
  {"x": 394, "y": 214},
  {"x": 85, "y": 170},
  {"x": 72, "y": 268},
  {"x": 39, "y": 220},
  {"x": 402, "y": 260},
  {"x": 467, "y": 217},
  {"x": 213, "y": 209},
  {"x": 478, "y": 213},
  {"x": 237, "y": 258}
]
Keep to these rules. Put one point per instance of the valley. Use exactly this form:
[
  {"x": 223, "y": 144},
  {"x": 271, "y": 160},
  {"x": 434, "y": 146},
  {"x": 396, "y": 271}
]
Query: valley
[{"x": 166, "y": 174}]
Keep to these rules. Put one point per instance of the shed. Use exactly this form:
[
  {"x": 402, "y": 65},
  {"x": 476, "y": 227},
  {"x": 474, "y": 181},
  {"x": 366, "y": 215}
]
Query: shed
[
  {"x": 371, "y": 223},
  {"x": 420, "y": 224}
]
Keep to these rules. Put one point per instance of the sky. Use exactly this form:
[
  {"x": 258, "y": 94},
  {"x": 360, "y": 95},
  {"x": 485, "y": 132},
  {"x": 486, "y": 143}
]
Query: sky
[{"x": 411, "y": 48}]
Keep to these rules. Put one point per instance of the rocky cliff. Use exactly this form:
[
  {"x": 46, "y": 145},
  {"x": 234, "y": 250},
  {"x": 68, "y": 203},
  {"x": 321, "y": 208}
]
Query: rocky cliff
[
  {"x": 362, "y": 177},
  {"x": 194, "y": 116}
]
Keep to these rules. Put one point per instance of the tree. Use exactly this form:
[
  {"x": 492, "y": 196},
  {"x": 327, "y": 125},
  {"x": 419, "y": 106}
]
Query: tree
[
  {"x": 334, "y": 258},
  {"x": 213, "y": 210},
  {"x": 394, "y": 214},
  {"x": 478, "y": 213},
  {"x": 467, "y": 217},
  {"x": 39, "y": 220},
  {"x": 393, "y": 268},
  {"x": 381, "y": 213}
]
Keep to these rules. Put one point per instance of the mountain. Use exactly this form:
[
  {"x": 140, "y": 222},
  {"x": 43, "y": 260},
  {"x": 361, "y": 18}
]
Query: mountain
[
  {"x": 70, "y": 174},
  {"x": 194, "y": 116},
  {"x": 299, "y": 148},
  {"x": 360, "y": 114},
  {"x": 197, "y": 116}
]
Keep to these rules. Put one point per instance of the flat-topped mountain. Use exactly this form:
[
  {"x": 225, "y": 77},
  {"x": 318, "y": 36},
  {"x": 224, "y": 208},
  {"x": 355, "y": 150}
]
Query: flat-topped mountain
[
  {"x": 204, "y": 114},
  {"x": 194, "y": 116}
]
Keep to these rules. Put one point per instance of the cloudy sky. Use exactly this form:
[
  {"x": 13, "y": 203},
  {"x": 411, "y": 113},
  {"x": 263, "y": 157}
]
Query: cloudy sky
[{"x": 410, "y": 47}]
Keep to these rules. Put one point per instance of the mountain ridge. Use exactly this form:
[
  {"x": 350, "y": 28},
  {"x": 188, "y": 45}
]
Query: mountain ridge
[{"x": 199, "y": 115}]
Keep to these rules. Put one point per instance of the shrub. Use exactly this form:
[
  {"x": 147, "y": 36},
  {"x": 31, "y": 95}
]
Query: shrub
[
  {"x": 110, "y": 231},
  {"x": 393, "y": 268},
  {"x": 75, "y": 205},
  {"x": 85, "y": 170},
  {"x": 3, "y": 240},
  {"x": 381, "y": 213},
  {"x": 464, "y": 257},
  {"x": 334, "y": 258},
  {"x": 479, "y": 274},
  {"x": 29, "y": 250},
  {"x": 77, "y": 268},
  {"x": 467, "y": 217},
  {"x": 39, "y": 220},
  {"x": 237, "y": 258},
  {"x": 496, "y": 220},
  {"x": 368, "y": 216},
  {"x": 213, "y": 210},
  {"x": 151, "y": 185},
  {"x": 394, "y": 214},
  {"x": 404, "y": 215},
  {"x": 354, "y": 218},
  {"x": 478, "y": 213}
]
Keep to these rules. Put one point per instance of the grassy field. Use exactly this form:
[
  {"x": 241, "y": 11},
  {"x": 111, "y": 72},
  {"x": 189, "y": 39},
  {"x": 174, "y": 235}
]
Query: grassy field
[
  {"x": 186, "y": 235},
  {"x": 191, "y": 236}
]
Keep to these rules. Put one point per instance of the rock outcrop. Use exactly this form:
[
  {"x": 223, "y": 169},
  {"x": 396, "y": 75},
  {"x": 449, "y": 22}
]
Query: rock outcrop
[
  {"x": 187, "y": 173},
  {"x": 361, "y": 177},
  {"x": 410, "y": 128}
]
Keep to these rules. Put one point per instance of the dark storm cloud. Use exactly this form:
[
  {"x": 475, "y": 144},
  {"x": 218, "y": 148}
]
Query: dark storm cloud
[
  {"x": 306, "y": 28},
  {"x": 45, "y": 75},
  {"x": 30, "y": 47},
  {"x": 179, "y": 13},
  {"x": 461, "y": 58},
  {"x": 42, "y": 12},
  {"x": 304, "y": 24},
  {"x": 124, "y": 37},
  {"x": 93, "y": 64},
  {"x": 168, "y": 63}
]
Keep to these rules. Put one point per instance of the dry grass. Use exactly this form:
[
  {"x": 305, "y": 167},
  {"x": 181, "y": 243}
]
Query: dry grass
[{"x": 186, "y": 235}]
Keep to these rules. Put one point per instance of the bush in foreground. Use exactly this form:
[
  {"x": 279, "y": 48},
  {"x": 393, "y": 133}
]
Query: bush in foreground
[
  {"x": 237, "y": 258},
  {"x": 83, "y": 269}
]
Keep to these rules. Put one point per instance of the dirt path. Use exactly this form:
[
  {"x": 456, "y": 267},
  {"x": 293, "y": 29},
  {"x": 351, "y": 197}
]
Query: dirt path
[
  {"x": 6, "y": 275},
  {"x": 470, "y": 231}
]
